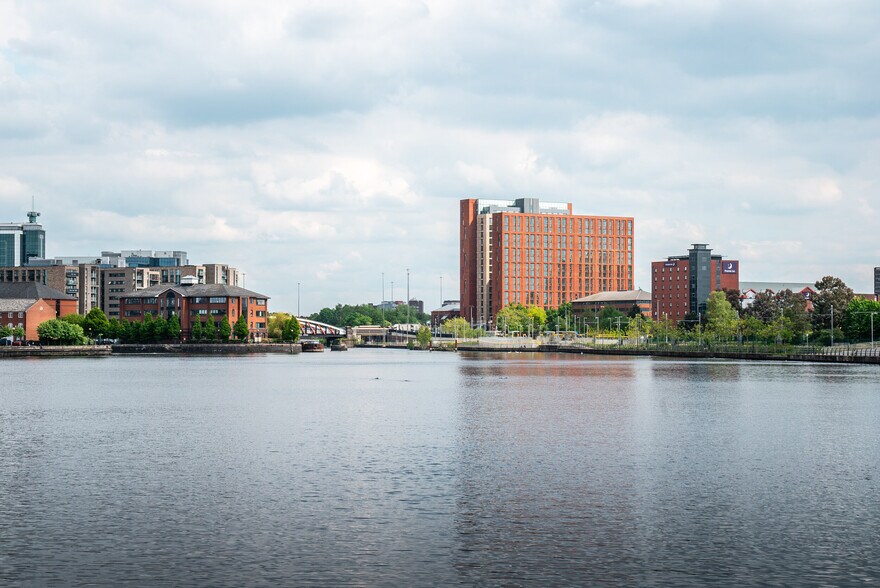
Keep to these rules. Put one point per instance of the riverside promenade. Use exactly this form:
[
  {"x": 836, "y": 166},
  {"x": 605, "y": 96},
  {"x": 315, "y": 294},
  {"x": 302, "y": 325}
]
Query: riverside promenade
[{"x": 12, "y": 352}]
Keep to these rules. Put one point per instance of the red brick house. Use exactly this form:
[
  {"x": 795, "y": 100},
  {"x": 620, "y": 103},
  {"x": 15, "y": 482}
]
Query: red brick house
[
  {"x": 203, "y": 302},
  {"x": 29, "y": 304}
]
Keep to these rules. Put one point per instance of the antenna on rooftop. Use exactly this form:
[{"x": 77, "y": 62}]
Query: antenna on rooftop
[{"x": 33, "y": 214}]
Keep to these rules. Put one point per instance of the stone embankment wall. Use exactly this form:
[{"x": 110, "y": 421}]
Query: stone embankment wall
[
  {"x": 55, "y": 351},
  {"x": 207, "y": 348}
]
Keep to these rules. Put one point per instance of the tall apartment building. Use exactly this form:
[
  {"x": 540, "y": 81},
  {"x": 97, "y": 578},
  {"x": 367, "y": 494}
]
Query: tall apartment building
[
  {"x": 146, "y": 258},
  {"x": 218, "y": 273},
  {"x": 81, "y": 281},
  {"x": 19, "y": 242},
  {"x": 537, "y": 253},
  {"x": 682, "y": 284},
  {"x": 877, "y": 281}
]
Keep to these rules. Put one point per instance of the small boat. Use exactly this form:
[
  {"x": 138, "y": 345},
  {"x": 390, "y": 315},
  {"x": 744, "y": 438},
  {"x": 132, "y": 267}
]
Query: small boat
[
  {"x": 312, "y": 346},
  {"x": 338, "y": 346}
]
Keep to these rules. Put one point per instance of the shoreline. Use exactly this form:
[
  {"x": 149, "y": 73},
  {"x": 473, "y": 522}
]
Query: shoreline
[{"x": 49, "y": 351}]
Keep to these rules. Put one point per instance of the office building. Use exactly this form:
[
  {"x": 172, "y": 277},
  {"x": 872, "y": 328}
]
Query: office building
[
  {"x": 29, "y": 304},
  {"x": 190, "y": 302},
  {"x": 19, "y": 242},
  {"x": 146, "y": 258},
  {"x": 682, "y": 284},
  {"x": 529, "y": 252}
]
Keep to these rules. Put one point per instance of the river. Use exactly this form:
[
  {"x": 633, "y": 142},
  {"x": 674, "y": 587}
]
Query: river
[{"x": 399, "y": 468}]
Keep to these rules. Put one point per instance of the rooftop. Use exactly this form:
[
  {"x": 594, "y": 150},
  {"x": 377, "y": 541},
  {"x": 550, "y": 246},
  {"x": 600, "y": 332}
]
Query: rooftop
[
  {"x": 194, "y": 290},
  {"x": 15, "y": 305},
  {"x": 776, "y": 286},
  {"x": 625, "y": 296},
  {"x": 31, "y": 291}
]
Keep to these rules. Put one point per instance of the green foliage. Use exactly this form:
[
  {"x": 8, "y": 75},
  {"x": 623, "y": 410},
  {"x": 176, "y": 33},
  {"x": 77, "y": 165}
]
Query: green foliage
[
  {"x": 209, "y": 329},
  {"x": 18, "y": 333},
  {"x": 290, "y": 330},
  {"x": 225, "y": 329},
  {"x": 95, "y": 323},
  {"x": 115, "y": 329},
  {"x": 457, "y": 327},
  {"x": 610, "y": 318},
  {"x": 856, "y": 320},
  {"x": 424, "y": 337},
  {"x": 276, "y": 323},
  {"x": 241, "y": 328},
  {"x": 74, "y": 319},
  {"x": 5, "y": 331},
  {"x": 721, "y": 318},
  {"x": 196, "y": 331},
  {"x": 61, "y": 332},
  {"x": 345, "y": 315},
  {"x": 172, "y": 328},
  {"x": 830, "y": 292}
]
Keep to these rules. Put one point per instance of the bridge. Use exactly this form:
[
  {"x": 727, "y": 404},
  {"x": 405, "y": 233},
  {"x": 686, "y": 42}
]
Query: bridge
[{"x": 310, "y": 328}]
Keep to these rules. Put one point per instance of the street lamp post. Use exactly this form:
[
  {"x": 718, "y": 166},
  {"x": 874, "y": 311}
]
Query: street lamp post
[
  {"x": 407, "y": 298},
  {"x": 297, "y": 299}
]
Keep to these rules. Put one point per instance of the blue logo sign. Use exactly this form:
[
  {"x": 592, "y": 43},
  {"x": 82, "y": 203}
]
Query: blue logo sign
[{"x": 729, "y": 267}]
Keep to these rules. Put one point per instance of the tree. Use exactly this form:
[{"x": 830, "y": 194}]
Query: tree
[
  {"x": 95, "y": 323},
  {"x": 196, "y": 333},
  {"x": 513, "y": 318},
  {"x": 18, "y": 333},
  {"x": 60, "y": 332},
  {"x": 5, "y": 331},
  {"x": 734, "y": 297},
  {"x": 276, "y": 324},
  {"x": 291, "y": 330},
  {"x": 830, "y": 292},
  {"x": 74, "y": 319},
  {"x": 856, "y": 320},
  {"x": 424, "y": 337},
  {"x": 172, "y": 328},
  {"x": 608, "y": 318},
  {"x": 225, "y": 330},
  {"x": 114, "y": 328},
  {"x": 209, "y": 330},
  {"x": 537, "y": 317},
  {"x": 721, "y": 318},
  {"x": 241, "y": 328},
  {"x": 763, "y": 307},
  {"x": 457, "y": 327}
]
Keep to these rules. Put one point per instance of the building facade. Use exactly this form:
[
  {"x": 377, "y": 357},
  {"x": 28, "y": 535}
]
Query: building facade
[
  {"x": 529, "y": 252},
  {"x": 192, "y": 302},
  {"x": 877, "y": 281},
  {"x": 619, "y": 301},
  {"x": 20, "y": 242},
  {"x": 681, "y": 284},
  {"x": 29, "y": 304}
]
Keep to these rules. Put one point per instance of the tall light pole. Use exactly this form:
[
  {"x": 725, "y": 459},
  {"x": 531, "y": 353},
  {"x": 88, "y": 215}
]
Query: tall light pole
[
  {"x": 382, "y": 302},
  {"x": 832, "y": 325},
  {"x": 407, "y": 297},
  {"x": 441, "y": 290},
  {"x": 297, "y": 299}
]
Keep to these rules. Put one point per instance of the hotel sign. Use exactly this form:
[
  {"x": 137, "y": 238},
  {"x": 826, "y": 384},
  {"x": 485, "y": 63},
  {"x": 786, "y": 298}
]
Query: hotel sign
[
  {"x": 670, "y": 263},
  {"x": 729, "y": 267}
]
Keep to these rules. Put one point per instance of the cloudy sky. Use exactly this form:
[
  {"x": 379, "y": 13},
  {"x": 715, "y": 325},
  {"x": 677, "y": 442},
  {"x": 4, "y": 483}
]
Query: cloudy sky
[{"x": 327, "y": 142}]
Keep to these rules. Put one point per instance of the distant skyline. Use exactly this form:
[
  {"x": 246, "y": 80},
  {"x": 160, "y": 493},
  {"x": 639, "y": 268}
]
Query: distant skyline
[{"x": 328, "y": 142}]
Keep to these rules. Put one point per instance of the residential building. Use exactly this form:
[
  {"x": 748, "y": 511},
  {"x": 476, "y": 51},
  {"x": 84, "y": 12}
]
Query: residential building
[
  {"x": 218, "y": 273},
  {"x": 751, "y": 289},
  {"x": 681, "y": 284},
  {"x": 80, "y": 281},
  {"x": 877, "y": 281},
  {"x": 19, "y": 242},
  {"x": 537, "y": 253},
  {"x": 417, "y": 305},
  {"x": 29, "y": 304},
  {"x": 190, "y": 302},
  {"x": 619, "y": 301}
]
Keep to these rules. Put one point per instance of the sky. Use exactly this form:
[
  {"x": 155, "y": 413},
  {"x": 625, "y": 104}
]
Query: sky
[{"x": 326, "y": 143}]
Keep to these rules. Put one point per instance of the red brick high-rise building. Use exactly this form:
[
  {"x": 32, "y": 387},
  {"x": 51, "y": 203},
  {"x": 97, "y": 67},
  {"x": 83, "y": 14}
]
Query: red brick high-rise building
[
  {"x": 537, "y": 253},
  {"x": 682, "y": 284}
]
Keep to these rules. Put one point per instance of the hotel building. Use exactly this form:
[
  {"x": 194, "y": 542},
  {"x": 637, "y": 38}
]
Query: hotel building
[
  {"x": 529, "y": 252},
  {"x": 681, "y": 284}
]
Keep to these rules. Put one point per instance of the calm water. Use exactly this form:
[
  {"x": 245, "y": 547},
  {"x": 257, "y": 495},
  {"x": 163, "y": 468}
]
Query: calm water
[{"x": 395, "y": 468}]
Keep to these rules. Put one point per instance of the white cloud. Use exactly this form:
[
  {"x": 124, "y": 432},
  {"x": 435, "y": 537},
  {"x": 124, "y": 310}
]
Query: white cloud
[{"x": 288, "y": 138}]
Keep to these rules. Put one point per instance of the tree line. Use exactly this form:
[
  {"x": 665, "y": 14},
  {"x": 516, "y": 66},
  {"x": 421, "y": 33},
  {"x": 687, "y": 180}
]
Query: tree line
[{"x": 347, "y": 315}]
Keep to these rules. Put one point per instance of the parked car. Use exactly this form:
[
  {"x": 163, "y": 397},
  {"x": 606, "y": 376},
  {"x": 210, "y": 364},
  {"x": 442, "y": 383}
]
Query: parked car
[{"x": 6, "y": 341}]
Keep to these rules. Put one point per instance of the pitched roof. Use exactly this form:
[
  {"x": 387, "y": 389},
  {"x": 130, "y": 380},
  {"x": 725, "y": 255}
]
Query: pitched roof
[
  {"x": 31, "y": 291},
  {"x": 627, "y": 296},
  {"x": 775, "y": 287},
  {"x": 15, "y": 305},
  {"x": 194, "y": 290}
]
